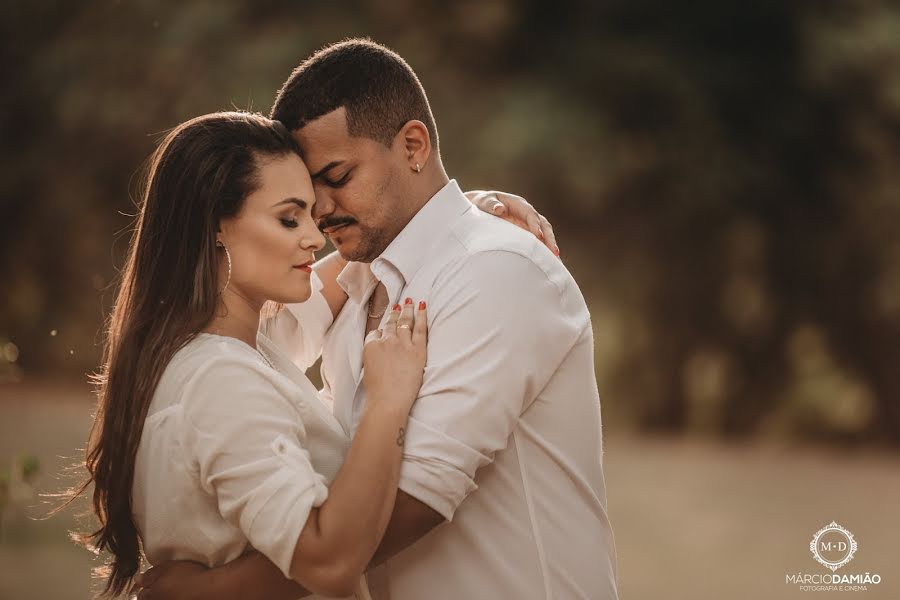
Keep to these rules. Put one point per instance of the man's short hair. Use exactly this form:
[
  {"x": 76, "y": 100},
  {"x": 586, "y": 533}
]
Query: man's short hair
[{"x": 377, "y": 88}]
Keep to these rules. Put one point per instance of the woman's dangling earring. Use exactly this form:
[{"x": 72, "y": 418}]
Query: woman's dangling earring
[{"x": 219, "y": 244}]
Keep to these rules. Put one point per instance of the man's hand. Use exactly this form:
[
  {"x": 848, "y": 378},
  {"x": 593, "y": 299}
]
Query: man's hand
[
  {"x": 173, "y": 580},
  {"x": 250, "y": 577}
]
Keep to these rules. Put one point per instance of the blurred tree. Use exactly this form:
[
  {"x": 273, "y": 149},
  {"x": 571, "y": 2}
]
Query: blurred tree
[{"x": 721, "y": 175}]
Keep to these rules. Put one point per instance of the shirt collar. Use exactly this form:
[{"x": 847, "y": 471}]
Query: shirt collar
[
  {"x": 406, "y": 253},
  {"x": 409, "y": 250},
  {"x": 354, "y": 279}
]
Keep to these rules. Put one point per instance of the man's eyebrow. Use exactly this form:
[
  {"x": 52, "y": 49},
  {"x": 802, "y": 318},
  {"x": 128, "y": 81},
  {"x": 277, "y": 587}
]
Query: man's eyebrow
[
  {"x": 301, "y": 203},
  {"x": 326, "y": 168}
]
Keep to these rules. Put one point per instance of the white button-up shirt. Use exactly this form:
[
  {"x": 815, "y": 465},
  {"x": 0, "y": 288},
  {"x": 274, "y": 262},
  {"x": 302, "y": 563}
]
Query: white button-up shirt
[
  {"x": 234, "y": 453},
  {"x": 505, "y": 439}
]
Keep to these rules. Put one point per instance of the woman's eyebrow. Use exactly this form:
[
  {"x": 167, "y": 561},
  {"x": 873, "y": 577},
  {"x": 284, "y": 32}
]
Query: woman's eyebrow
[{"x": 301, "y": 203}]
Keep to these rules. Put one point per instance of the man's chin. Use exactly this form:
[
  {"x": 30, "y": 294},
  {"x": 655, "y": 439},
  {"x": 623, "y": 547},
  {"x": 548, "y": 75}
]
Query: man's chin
[
  {"x": 348, "y": 245},
  {"x": 357, "y": 244},
  {"x": 350, "y": 252}
]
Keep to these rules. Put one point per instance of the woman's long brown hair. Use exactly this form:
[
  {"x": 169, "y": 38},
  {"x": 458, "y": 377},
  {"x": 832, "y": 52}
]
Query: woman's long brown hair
[{"x": 201, "y": 173}]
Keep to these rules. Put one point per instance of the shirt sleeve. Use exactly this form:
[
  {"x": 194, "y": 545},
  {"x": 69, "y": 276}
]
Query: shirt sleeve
[
  {"x": 299, "y": 329},
  {"x": 499, "y": 327},
  {"x": 246, "y": 441}
]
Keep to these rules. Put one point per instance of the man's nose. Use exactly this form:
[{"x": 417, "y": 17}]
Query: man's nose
[{"x": 324, "y": 205}]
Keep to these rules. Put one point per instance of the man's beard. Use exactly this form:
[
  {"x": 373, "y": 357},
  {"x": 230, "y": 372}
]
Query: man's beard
[{"x": 372, "y": 242}]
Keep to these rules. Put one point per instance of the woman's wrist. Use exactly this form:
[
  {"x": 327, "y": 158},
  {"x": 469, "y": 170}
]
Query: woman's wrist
[{"x": 389, "y": 408}]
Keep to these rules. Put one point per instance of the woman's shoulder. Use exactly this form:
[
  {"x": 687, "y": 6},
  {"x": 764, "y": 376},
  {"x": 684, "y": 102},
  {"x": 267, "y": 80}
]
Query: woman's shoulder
[
  {"x": 211, "y": 366},
  {"x": 206, "y": 351}
]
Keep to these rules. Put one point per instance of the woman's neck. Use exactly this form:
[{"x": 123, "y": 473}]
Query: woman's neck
[{"x": 237, "y": 317}]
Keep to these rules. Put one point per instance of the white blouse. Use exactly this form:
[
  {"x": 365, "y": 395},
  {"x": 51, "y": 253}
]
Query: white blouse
[{"x": 234, "y": 453}]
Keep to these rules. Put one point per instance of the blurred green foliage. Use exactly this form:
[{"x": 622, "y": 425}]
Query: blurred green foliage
[
  {"x": 720, "y": 175},
  {"x": 16, "y": 491}
]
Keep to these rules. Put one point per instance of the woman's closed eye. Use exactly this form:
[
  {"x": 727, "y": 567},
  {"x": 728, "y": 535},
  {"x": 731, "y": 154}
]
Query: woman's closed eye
[{"x": 290, "y": 223}]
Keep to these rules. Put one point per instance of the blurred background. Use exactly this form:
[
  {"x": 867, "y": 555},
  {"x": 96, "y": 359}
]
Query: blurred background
[{"x": 722, "y": 178}]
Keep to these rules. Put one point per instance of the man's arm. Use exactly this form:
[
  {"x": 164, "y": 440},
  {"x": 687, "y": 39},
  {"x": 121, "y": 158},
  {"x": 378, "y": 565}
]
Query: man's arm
[
  {"x": 410, "y": 521},
  {"x": 250, "y": 577},
  {"x": 255, "y": 577}
]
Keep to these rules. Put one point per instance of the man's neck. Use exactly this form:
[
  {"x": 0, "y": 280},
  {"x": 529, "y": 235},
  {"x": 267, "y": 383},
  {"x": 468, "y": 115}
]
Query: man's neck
[
  {"x": 426, "y": 189},
  {"x": 433, "y": 184}
]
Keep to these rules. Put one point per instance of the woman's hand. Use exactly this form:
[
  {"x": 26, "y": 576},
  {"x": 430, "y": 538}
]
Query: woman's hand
[
  {"x": 394, "y": 357},
  {"x": 516, "y": 210}
]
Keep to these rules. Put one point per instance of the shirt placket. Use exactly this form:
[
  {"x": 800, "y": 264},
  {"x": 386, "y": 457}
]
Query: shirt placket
[{"x": 394, "y": 286}]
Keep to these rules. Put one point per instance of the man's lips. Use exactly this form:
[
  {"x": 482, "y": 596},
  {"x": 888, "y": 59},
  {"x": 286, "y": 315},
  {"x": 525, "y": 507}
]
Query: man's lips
[{"x": 332, "y": 229}]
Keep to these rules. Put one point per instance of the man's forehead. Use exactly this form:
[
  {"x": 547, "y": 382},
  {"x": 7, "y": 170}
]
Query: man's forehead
[{"x": 328, "y": 131}]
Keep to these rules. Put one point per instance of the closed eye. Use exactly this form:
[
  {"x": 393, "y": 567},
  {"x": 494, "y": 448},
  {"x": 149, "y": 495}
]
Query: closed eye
[
  {"x": 289, "y": 223},
  {"x": 340, "y": 182}
]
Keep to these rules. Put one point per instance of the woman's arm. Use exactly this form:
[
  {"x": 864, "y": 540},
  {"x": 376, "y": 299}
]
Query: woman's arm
[
  {"x": 518, "y": 211},
  {"x": 328, "y": 268},
  {"x": 254, "y": 576},
  {"x": 341, "y": 536},
  {"x": 509, "y": 207},
  {"x": 299, "y": 329},
  {"x": 263, "y": 480}
]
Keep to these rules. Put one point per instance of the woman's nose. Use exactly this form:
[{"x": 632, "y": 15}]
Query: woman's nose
[{"x": 312, "y": 237}]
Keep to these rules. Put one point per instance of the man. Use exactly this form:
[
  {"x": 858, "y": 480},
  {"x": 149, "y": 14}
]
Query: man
[{"x": 501, "y": 489}]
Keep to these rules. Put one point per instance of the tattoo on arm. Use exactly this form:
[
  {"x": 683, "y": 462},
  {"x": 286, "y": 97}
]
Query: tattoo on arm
[{"x": 401, "y": 437}]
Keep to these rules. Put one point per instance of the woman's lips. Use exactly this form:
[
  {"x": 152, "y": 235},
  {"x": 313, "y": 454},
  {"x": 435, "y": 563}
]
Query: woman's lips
[{"x": 307, "y": 268}]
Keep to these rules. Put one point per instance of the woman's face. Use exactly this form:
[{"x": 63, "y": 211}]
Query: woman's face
[{"x": 272, "y": 239}]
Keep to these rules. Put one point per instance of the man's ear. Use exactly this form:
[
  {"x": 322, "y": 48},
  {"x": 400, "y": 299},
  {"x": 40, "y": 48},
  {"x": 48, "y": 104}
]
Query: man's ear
[{"x": 414, "y": 141}]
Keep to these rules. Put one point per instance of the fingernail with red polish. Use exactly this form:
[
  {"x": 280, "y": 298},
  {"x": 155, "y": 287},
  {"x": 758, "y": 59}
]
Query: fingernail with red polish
[
  {"x": 396, "y": 307},
  {"x": 407, "y": 301},
  {"x": 422, "y": 305}
]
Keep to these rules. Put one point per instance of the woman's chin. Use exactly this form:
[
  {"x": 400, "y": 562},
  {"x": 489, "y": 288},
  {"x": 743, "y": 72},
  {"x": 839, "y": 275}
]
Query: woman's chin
[{"x": 295, "y": 296}]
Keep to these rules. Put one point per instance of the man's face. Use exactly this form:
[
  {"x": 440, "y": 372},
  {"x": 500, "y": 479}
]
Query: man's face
[{"x": 358, "y": 184}]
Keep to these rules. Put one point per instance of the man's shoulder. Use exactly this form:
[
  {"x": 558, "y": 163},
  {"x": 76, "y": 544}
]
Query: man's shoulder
[
  {"x": 488, "y": 258},
  {"x": 477, "y": 231},
  {"x": 487, "y": 245}
]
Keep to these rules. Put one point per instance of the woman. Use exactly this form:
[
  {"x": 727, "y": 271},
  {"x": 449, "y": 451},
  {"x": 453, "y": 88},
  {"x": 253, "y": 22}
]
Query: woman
[{"x": 222, "y": 434}]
